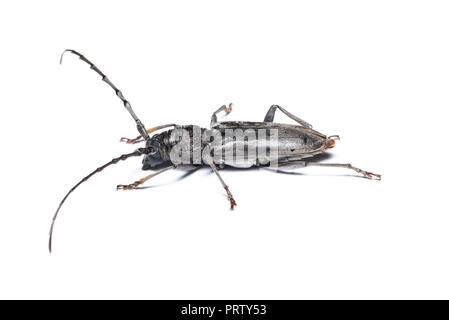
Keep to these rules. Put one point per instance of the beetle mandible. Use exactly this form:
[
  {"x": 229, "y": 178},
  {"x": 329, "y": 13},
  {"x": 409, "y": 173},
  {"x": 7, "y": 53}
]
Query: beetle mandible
[{"x": 283, "y": 145}]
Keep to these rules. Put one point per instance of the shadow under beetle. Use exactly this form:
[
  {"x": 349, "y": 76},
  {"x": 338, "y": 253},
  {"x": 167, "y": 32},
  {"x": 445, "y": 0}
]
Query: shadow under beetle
[{"x": 293, "y": 143}]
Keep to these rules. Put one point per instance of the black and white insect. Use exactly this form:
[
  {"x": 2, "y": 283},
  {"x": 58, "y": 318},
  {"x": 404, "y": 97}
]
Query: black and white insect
[{"x": 283, "y": 145}]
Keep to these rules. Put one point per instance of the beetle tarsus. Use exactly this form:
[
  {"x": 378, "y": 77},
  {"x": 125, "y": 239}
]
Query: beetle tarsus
[
  {"x": 131, "y": 141},
  {"x": 213, "y": 120},
  {"x": 230, "y": 198},
  {"x": 233, "y": 203},
  {"x": 135, "y": 185},
  {"x": 366, "y": 174},
  {"x": 132, "y": 186},
  {"x": 151, "y": 130},
  {"x": 371, "y": 175}
]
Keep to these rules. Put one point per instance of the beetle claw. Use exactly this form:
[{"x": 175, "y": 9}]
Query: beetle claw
[
  {"x": 371, "y": 175},
  {"x": 230, "y": 198},
  {"x": 228, "y": 109},
  {"x": 130, "y": 141},
  {"x": 132, "y": 186},
  {"x": 233, "y": 203}
]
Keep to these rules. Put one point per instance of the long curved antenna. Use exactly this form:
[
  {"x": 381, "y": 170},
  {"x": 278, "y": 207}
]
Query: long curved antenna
[
  {"x": 138, "y": 152},
  {"x": 140, "y": 126}
]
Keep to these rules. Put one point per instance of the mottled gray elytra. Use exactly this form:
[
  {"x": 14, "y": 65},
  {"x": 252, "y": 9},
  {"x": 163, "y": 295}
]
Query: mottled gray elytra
[{"x": 284, "y": 145}]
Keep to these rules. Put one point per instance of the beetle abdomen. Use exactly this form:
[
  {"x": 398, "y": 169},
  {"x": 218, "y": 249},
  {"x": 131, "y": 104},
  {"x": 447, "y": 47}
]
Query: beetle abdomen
[{"x": 247, "y": 144}]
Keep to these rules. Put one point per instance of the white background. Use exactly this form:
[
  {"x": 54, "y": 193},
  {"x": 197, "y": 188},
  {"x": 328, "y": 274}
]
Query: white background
[{"x": 374, "y": 72}]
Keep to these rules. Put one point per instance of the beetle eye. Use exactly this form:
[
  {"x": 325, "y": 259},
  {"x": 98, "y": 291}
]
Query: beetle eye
[
  {"x": 153, "y": 150},
  {"x": 150, "y": 150}
]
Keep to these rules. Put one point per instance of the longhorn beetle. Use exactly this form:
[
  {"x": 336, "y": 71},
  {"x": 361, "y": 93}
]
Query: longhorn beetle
[{"x": 259, "y": 144}]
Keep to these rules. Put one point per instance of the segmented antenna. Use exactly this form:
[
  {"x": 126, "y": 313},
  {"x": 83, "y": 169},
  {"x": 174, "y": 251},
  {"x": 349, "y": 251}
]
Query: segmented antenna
[
  {"x": 138, "y": 152},
  {"x": 140, "y": 126}
]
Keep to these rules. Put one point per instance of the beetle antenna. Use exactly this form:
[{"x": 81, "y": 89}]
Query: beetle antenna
[
  {"x": 140, "y": 126},
  {"x": 138, "y": 152}
]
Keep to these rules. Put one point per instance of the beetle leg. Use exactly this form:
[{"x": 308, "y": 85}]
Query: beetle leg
[
  {"x": 230, "y": 197},
  {"x": 225, "y": 186},
  {"x": 213, "y": 119},
  {"x": 270, "y": 116},
  {"x": 366, "y": 174},
  {"x": 151, "y": 130},
  {"x": 301, "y": 164},
  {"x": 136, "y": 184},
  {"x": 207, "y": 159}
]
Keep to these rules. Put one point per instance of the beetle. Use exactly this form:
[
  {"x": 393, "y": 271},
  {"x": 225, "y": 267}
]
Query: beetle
[{"x": 265, "y": 144}]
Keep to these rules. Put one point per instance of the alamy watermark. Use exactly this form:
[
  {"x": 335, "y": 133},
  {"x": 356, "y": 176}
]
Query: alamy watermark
[{"x": 226, "y": 146}]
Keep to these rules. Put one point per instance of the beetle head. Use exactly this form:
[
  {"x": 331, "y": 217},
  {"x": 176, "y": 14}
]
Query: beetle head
[{"x": 156, "y": 158}]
